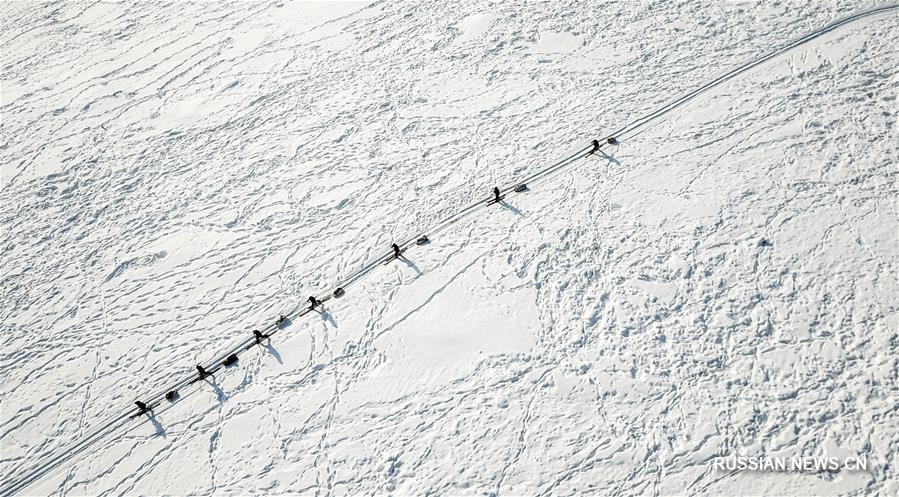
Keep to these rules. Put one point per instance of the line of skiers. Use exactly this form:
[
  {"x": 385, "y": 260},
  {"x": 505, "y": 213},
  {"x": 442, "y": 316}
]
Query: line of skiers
[{"x": 314, "y": 302}]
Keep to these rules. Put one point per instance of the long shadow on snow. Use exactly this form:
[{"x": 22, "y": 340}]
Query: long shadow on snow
[
  {"x": 273, "y": 351},
  {"x": 511, "y": 208},
  {"x": 222, "y": 396},
  {"x": 326, "y": 316},
  {"x": 409, "y": 263},
  {"x": 160, "y": 431}
]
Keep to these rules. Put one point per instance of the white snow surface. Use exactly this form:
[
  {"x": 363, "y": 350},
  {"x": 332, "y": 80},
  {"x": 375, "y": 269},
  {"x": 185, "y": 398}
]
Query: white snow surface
[{"x": 726, "y": 283}]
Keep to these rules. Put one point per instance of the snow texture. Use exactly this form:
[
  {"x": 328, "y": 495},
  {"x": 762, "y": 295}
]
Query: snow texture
[{"x": 725, "y": 282}]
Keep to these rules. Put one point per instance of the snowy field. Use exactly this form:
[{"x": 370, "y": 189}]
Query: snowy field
[{"x": 724, "y": 283}]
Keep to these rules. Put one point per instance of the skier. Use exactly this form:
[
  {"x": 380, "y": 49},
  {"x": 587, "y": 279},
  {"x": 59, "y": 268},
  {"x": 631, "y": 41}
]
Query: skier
[
  {"x": 259, "y": 336},
  {"x": 313, "y": 302},
  {"x": 143, "y": 407},
  {"x": 496, "y": 194},
  {"x": 203, "y": 372},
  {"x": 595, "y": 146},
  {"x": 396, "y": 250},
  {"x": 281, "y": 320}
]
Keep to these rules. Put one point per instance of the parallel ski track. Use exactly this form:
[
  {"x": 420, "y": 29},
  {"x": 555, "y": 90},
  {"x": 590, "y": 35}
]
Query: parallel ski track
[
  {"x": 628, "y": 130},
  {"x": 156, "y": 400}
]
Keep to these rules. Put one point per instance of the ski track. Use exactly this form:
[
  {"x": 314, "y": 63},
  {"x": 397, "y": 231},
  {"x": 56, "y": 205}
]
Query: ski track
[{"x": 726, "y": 281}]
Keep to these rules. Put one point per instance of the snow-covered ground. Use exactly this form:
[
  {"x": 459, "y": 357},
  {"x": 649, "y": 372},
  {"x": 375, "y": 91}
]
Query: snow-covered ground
[{"x": 725, "y": 284}]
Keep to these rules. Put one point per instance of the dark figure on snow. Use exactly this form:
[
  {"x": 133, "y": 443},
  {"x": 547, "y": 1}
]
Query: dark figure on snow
[
  {"x": 611, "y": 140},
  {"x": 396, "y": 250},
  {"x": 203, "y": 372},
  {"x": 143, "y": 407},
  {"x": 313, "y": 302},
  {"x": 496, "y": 194},
  {"x": 595, "y": 146},
  {"x": 259, "y": 336}
]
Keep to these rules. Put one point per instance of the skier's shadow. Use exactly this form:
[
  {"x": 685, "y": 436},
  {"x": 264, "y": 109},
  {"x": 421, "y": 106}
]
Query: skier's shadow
[
  {"x": 160, "y": 431},
  {"x": 410, "y": 264},
  {"x": 272, "y": 350},
  {"x": 511, "y": 208},
  {"x": 222, "y": 396},
  {"x": 327, "y": 316},
  {"x": 611, "y": 159}
]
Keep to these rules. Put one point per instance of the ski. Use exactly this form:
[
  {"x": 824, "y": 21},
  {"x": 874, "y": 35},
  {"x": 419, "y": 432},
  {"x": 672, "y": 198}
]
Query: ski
[{"x": 495, "y": 200}]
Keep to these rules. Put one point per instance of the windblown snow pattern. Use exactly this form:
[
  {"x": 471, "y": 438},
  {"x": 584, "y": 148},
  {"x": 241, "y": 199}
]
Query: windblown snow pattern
[{"x": 725, "y": 282}]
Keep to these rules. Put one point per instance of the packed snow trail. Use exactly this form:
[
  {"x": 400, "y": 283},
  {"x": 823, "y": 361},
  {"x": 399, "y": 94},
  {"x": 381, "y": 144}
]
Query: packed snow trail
[
  {"x": 155, "y": 401},
  {"x": 544, "y": 173},
  {"x": 629, "y": 130}
]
